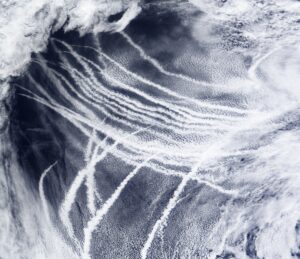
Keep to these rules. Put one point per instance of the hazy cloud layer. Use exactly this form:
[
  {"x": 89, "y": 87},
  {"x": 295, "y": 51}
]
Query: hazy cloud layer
[{"x": 263, "y": 24}]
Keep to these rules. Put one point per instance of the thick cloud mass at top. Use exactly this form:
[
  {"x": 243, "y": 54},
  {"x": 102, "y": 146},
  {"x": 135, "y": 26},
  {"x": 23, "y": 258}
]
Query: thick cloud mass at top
[
  {"x": 25, "y": 25},
  {"x": 251, "y": 23}
]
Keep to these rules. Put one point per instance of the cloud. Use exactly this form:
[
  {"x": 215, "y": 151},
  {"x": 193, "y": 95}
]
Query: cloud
[
  {"x": 25, "y": 25},
  {"x": 252, "y": 23}
]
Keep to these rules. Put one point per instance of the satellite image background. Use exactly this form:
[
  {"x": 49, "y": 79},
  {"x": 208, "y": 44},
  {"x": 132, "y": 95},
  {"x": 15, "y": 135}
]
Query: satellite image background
[{"x": 149, "y": 129}]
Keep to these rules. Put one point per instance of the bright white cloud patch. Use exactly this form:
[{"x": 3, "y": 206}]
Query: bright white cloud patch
[{"x": 25, "y": 25}]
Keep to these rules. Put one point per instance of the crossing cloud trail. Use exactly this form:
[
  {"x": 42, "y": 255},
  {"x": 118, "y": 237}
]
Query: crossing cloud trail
[{"x": 150, "y": 129}]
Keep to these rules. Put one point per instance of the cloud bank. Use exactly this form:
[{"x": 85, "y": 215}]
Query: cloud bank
[
  {"x": 25, "y": 25},
  {"x": 250, "y": 23}
]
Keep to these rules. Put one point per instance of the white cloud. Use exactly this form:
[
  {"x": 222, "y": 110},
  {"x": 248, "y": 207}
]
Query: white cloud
[
  {"x": 267, "y": 23},
  {"x": 26, "y": 25}
]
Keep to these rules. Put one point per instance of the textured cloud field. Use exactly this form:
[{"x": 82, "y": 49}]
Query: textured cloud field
[{"x": 150, "y": 129}]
